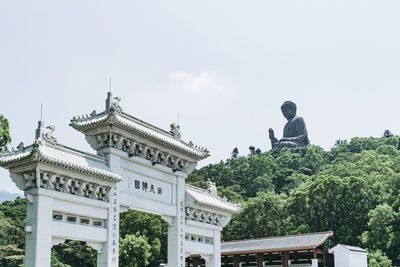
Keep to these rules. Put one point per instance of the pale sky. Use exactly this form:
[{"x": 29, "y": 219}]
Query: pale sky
[{"x": 225, "y": 66}]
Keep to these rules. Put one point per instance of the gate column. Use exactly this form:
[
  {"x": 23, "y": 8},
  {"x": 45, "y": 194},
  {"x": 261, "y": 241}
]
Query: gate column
[
  {"x": 39, "y": 231},
  {"x": 176, "y": 231},
  {"x": 215, "y": 259},
  {"x": 110, "y": 255}
]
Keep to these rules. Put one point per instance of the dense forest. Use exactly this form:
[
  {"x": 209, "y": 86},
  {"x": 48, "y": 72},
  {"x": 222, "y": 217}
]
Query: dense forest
[{"x": 352, "y": 189}]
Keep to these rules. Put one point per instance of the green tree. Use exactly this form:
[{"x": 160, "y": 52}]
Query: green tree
[
  {"x": 12, "y": 235},
  {"x": 378, "y": 259},
  {"x": 334, "y": 203},
  {"x": 11, "y": 256},
  {"x": 153, "y": 227},
  {"x": 55, "y": 260},
  {"x": 5, "y": 137},
  {"x": 75, "y": 254},
  {"x": 134, "y": 251},
  {"x": 264, "y": 215},
  {"x": 380, "y": 235}
]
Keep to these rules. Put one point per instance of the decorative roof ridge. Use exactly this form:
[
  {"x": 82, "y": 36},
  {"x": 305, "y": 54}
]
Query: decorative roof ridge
[
  {"x": 87, "y": 117},
  {"x": 122, "y": 114},
  {"x": 84, "y": 123},
  {"x": 37, "y": 152},
  {"x": 17, "y": 155},
  {"x": 41, "y": 142},
  {"x": 329, "y": 233},
  {"x": 201, "y": 190},
  {"x": 93, "y": 170},
  {"x": 15, "y": 152},
  {"x": 159, "y": 130},
  {"x": 77, "y": 152},
  {"x": 198, "y": 189}
]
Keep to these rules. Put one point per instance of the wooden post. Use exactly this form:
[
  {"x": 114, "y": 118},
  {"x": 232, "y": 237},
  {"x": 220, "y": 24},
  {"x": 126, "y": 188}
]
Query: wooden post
[
  {"x": 260, "y": 259},
  {"x": 236, "y": 261},
  {"x": 195, "y": 262},
  {"x": 325, "y": 251},
  {"x": 285, "y": 259},
  {"x": 226, "y": 261}
]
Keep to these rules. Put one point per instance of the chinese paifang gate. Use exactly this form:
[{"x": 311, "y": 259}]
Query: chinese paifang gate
[{"x": 79, "y": 196}]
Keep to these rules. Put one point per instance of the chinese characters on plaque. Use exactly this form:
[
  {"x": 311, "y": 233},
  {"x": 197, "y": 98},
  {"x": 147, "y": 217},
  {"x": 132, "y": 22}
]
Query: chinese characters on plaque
[{"x": 147, "y": 187}]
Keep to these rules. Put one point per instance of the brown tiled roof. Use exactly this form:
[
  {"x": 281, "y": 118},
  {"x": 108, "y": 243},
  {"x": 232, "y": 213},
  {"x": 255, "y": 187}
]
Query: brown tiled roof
[{"x": 275, "y": 244}]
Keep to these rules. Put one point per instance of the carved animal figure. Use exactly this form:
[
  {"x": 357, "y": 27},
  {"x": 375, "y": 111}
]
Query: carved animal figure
[
  {"x": 115, "y": 104},
  {"x": 48, "y": 135},
  {"x": 175, "y": 130}
]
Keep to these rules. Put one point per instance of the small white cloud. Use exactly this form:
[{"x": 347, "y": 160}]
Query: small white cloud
[{"x": 204, "y": 82}]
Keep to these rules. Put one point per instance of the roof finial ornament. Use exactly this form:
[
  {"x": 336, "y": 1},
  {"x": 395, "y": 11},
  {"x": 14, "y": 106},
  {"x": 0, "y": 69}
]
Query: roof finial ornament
[
  {"x": 48, "y": 135},
  {"x": 40, "y": 128},
  {"x": 175, "y": 130},
  {"x": 212, "y": 187},
  {"x": 112, "y": 104},
  {"x": 115, "y": 104},
  {"x": 21, "y": 147},
  {"x": 109, "y": 95}
]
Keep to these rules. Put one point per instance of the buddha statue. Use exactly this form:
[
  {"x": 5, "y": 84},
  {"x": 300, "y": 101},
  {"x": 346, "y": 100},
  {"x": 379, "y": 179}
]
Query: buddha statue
[{"x": 294, "y": 133}]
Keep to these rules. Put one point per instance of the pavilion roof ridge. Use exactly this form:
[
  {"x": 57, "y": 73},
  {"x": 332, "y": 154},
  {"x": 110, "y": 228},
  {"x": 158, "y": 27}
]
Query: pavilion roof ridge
[
  {"x": 330, "y": 233},
  {"x": 296, "y": 242}
]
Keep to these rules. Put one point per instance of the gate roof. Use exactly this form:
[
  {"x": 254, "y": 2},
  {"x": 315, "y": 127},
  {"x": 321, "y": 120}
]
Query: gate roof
[
  {"x": 60, "y": 155},
  {"x": 140, "y": 128}
]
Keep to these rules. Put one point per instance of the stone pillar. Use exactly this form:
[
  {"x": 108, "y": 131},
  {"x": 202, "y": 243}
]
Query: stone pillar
[
  {"x": 215, "y": 259},
  {"x": 176, "y": 231},
  {"x": 109, "y": 257},
  {"x": 314, "y": 263},
  {"x": 39, "y": 230}
]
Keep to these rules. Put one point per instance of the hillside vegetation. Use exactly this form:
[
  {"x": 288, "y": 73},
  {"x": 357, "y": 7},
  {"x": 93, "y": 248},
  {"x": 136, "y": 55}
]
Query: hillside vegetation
[
  {"x": 7, "y": 196},
  {"x": 353, "y": 190}
]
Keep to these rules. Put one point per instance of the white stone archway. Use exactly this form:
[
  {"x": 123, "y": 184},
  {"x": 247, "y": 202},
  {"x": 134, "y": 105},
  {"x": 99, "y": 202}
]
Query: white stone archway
[{"x": 79, "y": 196}]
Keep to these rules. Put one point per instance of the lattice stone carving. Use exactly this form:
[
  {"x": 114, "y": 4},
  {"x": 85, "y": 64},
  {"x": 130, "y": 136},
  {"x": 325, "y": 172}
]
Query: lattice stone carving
[
  {"x": 76, "y": 219},
  {"x": 140, "y": 150},
  {"x": 199, "y": 239},
  {"x": 203, "y": 216},
  {"x": 66, "y": 184}
]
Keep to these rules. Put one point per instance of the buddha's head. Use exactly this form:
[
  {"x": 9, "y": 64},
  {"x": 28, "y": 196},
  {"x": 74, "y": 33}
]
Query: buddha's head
[{"x": 289, "y": 109}]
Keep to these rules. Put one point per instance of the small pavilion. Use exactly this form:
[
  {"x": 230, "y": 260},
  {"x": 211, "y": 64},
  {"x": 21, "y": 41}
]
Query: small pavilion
[{"x": 304, "y": 250}]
